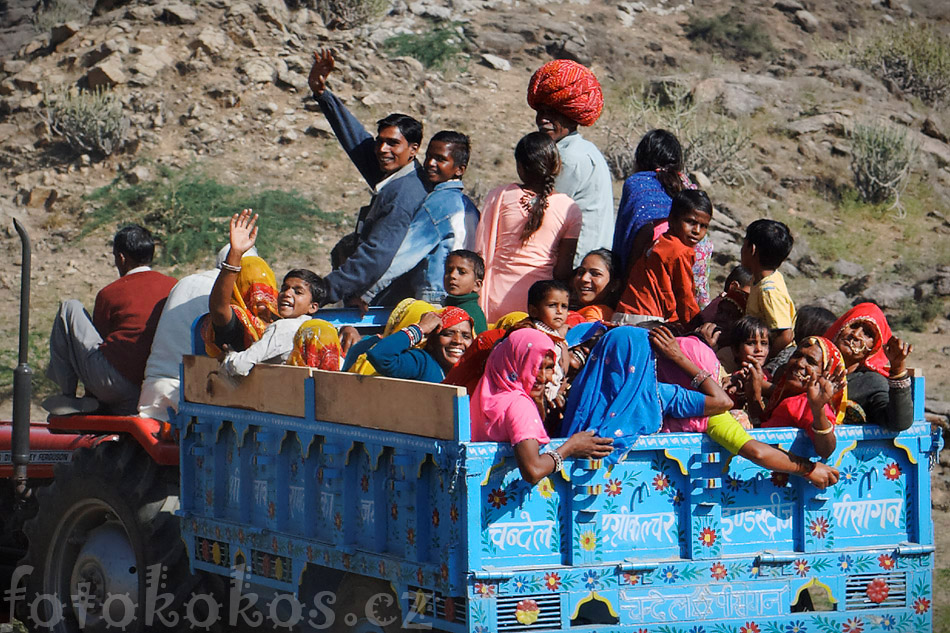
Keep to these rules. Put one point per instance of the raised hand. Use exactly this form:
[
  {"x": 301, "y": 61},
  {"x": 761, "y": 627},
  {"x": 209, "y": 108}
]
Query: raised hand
[
  {"x": 820, "y": 390},
  {"x": 430, "y": 322},
  {"x": 243, "y": 232},
  {"x": 897, "y": 352},
  {"x": 323, "y": 64},
  {"x": 664, "y": 343},
  {"x": 710, "y": 333}
]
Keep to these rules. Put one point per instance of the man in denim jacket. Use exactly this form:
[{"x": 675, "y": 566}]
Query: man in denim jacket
[
  {"x": 388, "y": 164},
  {"x": 444, "y": 222}
]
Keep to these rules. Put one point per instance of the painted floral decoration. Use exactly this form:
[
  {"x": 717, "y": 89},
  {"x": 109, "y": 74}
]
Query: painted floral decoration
[
  {"x": 877, "y": 590},
  {"x": 552, "y": 581},
  {"x": 892, "y": 471},
  {"x": 588, "y": 541},
  {"x": 801, "y": 567},
  {"x": 527, "y": 612},
  {"x": 661, "y": 482},
  {"x": 750, "y": 627},
  {"x": 819, "y": 527},
  {"x": 498, "y": 498},
  {"x": 614, "y": 487},
  {"x": 717, "y": 571},
  {"x": 886, "y": 561},
  {"x": 921, "y": 606},
  {"x": 707, "y": 537}
]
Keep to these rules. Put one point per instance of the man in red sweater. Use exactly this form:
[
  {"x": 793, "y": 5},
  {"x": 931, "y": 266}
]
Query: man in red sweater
[{"x": 108, "y": 351}]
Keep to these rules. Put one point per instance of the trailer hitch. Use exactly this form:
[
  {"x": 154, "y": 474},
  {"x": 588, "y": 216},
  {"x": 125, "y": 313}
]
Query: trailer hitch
[{"x": 22, "y": 376}]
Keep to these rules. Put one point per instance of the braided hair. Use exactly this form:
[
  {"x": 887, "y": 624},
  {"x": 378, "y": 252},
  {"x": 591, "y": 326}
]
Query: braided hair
[
  {"x": 659, "y": 151},
  {"x": 538, "y": 165}
]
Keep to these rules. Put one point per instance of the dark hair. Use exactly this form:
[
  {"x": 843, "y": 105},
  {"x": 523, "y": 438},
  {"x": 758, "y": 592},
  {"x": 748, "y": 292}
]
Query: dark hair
[
  {"x": 319, "y": 288},
  {"x": 812, "y": 321},
  {"x": 540, "y": 163},
  {"x": 473, "y": 258},
  {"x": 409, "y": 127},
  {"x": 659, "y": 151},
  {"x": 540, "y": 289},
  {"x": 746, "y": 327},
  {"x": 690, "y": 200},
  {"x": 741, "y": 275},
  {"x": 772, "y": 240},
  {"x": 608, "y": 258},
  {"x": 461, "y": 147},
  {"x": 136, "y": 243}
]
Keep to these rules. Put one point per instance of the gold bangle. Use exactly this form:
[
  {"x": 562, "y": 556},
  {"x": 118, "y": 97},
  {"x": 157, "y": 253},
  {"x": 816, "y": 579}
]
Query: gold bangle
[{"x": 830, "y": 429}]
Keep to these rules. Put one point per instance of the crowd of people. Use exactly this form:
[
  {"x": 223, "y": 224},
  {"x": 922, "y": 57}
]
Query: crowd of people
[{"x": 560, "y": 316}]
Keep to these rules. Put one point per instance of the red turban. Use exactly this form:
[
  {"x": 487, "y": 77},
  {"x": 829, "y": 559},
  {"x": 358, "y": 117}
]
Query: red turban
[
  {"x": 453, "y": 315},
  {"x": 569, "y": 88}
]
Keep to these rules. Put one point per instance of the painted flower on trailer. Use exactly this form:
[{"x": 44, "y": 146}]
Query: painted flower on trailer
[
  {"x": 410, "y": 536},
  {"x": 591, "y": 579},
  {"x": 779, "y": 480},
  {"x": 849, "y": 474},
  {"x": 886, "y": 561},
  {"x": 844, "y": 562},
  {"x": 614, "y": 487},
  {"x": 420, "y": 576},
  {"x": 921, "y": 606},
  {"x": 750, "y": 627},
  {"x": 631, "y": 579},
  {"x": 676, "y": 497},
  {"x": 801, "y": 567},
  {"x": 444, "y": 572},
  {"x": 338, "y": 521},
  {"x": 588, "y": 541},
  {"x": 481, "y": 628},
  {"x": 454, "y": 513},
  {"x": 707, "y": 537},
  {"x": 498, "y": 498},
  {"x": 854, "y": 625},
  {"x": 877, "y": 590},
  {"x": 435, "y": 517},
  {"x": 394, "y": 512},
  {"x": 484, "y": 589},
  {"x": 364, "y": 483},
  {"x": 552, "y": 581},
  {"x": 545, "y": 488},
  {"x": 733, "y": 483},
  {"x": 796, "y": 626},
  {"x": 892, "y": 471},
  {"x": 717, "y": 571},
  {"x": 661, "y": 482},
  {"x": 697, "y": 629},
  {"x": 519, "y": 584},
  {"x": 669, "y": 575},
  {"x": 888, "y": 622},
  {"x": 819, "y": 527},
  {"x": 527, "y": 612}
]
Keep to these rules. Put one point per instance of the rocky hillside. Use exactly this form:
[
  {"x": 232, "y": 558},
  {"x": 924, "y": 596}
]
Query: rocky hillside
[{"x": 220, "y": 87}]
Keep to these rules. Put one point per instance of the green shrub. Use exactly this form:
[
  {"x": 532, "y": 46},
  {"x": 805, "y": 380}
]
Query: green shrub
[
  {"x": 188, "y": 212},
  {"x": 345, "y": 14},
  {"x": 51, "y": 13},
  {"x": 915, "y": 58},
  {"x": 90, "y": 121},
  {"x": 731, "y": 33},
  {"x": 881, "y": 158},
  {"x": 916, "y": 315},
  {"x": 435, "y": 48}
]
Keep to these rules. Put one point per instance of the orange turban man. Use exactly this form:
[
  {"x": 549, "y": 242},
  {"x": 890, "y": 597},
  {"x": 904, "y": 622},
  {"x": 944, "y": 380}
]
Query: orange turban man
[{"x": 566, "y": 94}]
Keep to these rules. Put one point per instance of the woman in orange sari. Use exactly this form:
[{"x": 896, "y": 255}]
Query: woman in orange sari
[{"x": 254, "y": 305}]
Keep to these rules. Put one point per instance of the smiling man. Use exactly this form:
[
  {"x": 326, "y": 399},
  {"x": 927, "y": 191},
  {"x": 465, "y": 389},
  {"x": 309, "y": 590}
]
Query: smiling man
[
  {"x": 566, "y": 94},
  {"x": 388, "y": 164}
]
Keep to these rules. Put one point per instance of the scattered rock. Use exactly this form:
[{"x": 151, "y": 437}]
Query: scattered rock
[
  {"x": 937, "y": 150},
  {"x": 28, "y": 80},
  {"x": 887, "y": 295},
  {"x": 808, "y": 266},
  {"x": 291, "y": 79},
  {"x": 701, "y": 180},
  {"x": 320, "y": 129},
  {"x": 13, "y": 66},
  {"x": 806, "y": 20},
  {"x": 832, "y": 122},
  {"x": 938, "y": 407},
  {"x": 426, "y": 10},
  {"x": 142, "y": 13},
  {"x": 148, "y": 64},
  {"x": 258, "y": 71},
  {"x": 500, "y": 43},
  {"x": 178, "y": 13},
  {"x": 708, "y": 90},
  {"x": 62, "y": 32},
  {"x": 137, "y": 174},
  {"x": 211, "y": 41},
  {"x": 107, "y": 73},
  {"x": 789, "y": 6},
  {"x": 855, "y": 285},
  {"x": 498, "y": 63},
  {"x": 837, "y": 302},
  {"x": 738, "y": 100},
  {"x": 40, "y": 197},
  {"x": 844, "y": 268},
  {"x": 273, "y": 12},
  {"x": 287, "y": 137},
  {"x": 931, "y": 129}
]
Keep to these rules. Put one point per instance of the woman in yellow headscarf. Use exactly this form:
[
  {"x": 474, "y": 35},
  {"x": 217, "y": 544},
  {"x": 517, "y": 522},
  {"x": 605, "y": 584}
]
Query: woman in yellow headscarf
[
  {"x": 317, "y": 345},
  {"x": 406, "y": 312},
  {"x": 253, "y": 302}
]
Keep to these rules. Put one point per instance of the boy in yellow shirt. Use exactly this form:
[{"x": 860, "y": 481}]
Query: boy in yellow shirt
[{"x": 767, "y": 244}]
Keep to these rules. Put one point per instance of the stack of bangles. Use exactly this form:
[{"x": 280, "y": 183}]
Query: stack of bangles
[
  {"x": 558, "y": 461},
  {"x": 699, "y": 378},
  {"x": 900, "y": 381},
  {"x": 414, "y": 332}
]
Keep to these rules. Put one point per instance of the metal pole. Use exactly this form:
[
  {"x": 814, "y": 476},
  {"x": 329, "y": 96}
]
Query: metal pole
[{"x": 22, "y": 375}]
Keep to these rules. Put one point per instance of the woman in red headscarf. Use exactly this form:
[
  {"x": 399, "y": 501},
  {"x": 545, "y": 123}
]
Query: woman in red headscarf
[
  {"x": 809, "y": 395},
  {"x": 447, "y": 334},
  {"x": 878, "y": 385}
]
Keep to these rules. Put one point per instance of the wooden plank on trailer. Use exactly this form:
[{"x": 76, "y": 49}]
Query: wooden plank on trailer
[
  {"x": 387, "y": 404},
  {"x": 276, "y": 389}
]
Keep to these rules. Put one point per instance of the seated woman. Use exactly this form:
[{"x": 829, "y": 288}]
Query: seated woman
[
  {"x": 726, "y": 430},
  {"x": 617, "y": 395},
  {"x": 406, "y": 312},
  {"x": 594, "y": 284},
  {"x": 253, "y": 305},
  {"x": 809, "y": 394},
  {"x": 317, "y": 345},
  {"x": 504, "y": 406},
  {"x": 878, "y": 395},
  {"x": 470, "y": 368},
  {"x": 447, "y": 335}
]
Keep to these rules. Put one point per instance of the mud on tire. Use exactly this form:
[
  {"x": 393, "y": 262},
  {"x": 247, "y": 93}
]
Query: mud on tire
[{"x": 106, "y": 519}]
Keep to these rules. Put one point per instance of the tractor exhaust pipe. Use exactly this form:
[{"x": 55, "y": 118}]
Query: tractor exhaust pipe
[{"x": 22, "y": 375}]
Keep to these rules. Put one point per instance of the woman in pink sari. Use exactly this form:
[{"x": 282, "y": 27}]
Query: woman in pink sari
[{"x": 527, "y": 232}]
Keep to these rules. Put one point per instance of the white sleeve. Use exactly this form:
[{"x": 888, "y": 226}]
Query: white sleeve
[{"x": 275, "y": 346}]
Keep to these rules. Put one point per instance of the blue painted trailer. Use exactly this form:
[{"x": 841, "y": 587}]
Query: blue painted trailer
[{"x": 679, "y": 537}]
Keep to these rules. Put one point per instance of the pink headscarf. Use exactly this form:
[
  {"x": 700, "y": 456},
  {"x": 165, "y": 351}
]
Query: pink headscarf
[
  {"x": 502, "y": 409},
  {"x": 703, "y": 357}
]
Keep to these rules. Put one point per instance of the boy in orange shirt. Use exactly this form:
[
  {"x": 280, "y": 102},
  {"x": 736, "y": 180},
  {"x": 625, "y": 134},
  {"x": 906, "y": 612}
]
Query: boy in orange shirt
[{"x": 660, "y": 285}]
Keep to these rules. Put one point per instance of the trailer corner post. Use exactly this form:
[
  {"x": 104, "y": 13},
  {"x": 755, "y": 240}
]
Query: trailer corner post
[{"x": 22, "y": 375}]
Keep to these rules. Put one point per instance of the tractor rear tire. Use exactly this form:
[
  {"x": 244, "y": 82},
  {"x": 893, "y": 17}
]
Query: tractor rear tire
[{"x": 106, "y": 519}]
